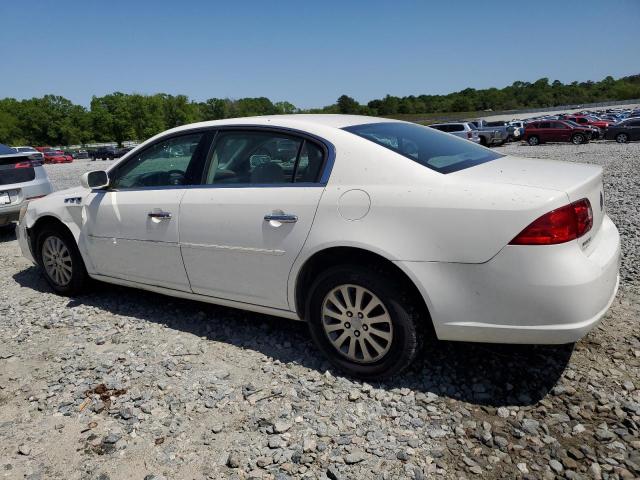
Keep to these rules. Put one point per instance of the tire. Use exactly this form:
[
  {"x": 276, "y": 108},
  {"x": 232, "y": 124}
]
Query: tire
[
  {"x": 622, "y": 138},
  {"x": 578, "y": 139},
  {"x": 397, "y": 321},
  {"x": 533, "y": 140},
  {"x": 483, "y": 141},
  {"x": 56, "y": 245}
]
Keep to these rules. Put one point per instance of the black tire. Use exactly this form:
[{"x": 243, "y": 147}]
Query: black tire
[
  {"x": 578, "y": 139},
  {"x": 483, "y": 141},
  {"x": 408, "y": 328},
  {"x": 533, "y": 140},
  {"x": 79, "y": 277},
  {"x": 622, "y": 138}
]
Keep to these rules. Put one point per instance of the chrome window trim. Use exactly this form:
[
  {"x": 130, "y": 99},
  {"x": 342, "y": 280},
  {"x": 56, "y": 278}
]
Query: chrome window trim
[{"x": 324, "y": 178}]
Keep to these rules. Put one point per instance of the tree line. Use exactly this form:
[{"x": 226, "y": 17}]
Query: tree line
[{"x": 116, "y": 117}]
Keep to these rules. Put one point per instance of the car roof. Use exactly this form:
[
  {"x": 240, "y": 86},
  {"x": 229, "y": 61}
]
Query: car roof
[{"x": 295, "y": 121}]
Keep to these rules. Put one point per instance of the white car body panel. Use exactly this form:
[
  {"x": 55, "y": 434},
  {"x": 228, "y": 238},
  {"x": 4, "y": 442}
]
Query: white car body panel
[
  {"x": 449, "y": 233},
  {"x": 231, "y": 252},
  {"x": 124, "y": 242}
]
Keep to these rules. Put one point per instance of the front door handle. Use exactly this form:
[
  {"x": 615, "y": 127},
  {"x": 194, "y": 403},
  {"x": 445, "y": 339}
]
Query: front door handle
[
  {"x": 159, "y": 214},
  {"x": 281, "y": 217}
]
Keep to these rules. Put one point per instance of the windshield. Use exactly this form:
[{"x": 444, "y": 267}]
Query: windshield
[{"x": 438, "y": 151}]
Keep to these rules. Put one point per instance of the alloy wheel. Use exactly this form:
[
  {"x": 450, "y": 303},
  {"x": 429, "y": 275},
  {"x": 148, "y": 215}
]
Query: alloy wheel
[
  {"x": 357, "y": 323},
  {"x": 57, "y": 262},
  {"x": 621, "y": 138}
]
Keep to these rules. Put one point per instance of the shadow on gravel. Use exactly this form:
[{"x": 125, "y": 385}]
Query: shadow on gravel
[
  {"x": 7, "y": 233},
  {"x": 481, "y": 374}
]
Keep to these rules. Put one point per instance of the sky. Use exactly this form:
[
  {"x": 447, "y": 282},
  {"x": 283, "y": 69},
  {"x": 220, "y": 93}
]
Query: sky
[{"x": 308, "y": 52}]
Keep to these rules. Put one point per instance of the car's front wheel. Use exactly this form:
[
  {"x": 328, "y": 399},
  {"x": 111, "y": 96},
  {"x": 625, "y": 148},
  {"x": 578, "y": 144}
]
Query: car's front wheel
[
  {"x": 578, "y": 139},
  {"x": 363, "y": 323},
  {"x": 61, "y": 262},
  {"x": 622, "y": 138},
  {"x": 533, "y": 140}
]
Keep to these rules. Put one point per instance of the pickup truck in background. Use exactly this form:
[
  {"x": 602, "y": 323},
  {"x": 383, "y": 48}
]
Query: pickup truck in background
[{"x": 491, "y": 135}]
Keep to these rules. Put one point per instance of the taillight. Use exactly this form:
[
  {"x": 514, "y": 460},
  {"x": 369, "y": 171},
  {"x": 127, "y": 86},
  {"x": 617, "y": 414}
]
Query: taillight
[
  {"x": 469, "y": 134},
  {"x": 22, "y": 165},
  {"x": 558, "y": 226}
]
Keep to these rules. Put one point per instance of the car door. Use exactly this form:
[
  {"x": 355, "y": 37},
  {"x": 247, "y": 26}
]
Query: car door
[
  {"x": 561, "y": 132},
  {"x": 633, "y": 129},
  {"x": 131, "y": 227},
  {"x": 545, "y": 132},
  {"x": 242, "y": 230}
]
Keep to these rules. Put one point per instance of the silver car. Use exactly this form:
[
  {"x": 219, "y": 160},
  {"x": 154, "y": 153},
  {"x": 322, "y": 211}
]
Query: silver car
[
  {"x": 22, "y": 178},
  {"x": 460, "y": 129}
]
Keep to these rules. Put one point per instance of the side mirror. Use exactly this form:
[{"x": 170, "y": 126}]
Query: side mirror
[{"x": 95, "y": 179}]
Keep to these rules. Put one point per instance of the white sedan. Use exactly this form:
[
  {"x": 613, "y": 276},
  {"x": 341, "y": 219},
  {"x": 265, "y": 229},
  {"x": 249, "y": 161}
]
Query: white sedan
[{"x": 376, "y": 232}]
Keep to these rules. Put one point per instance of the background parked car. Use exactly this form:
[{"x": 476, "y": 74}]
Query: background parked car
[
  {"x": 489, "y": 135},
  {"x": 624, "y": 131},
  {"x": 555, "y": 131},
  {"x": 56, "y": 156},
  {"x": 77, "y": 154},
  {"x": 104, "y": 153},
  {"x": 463, "y": 130},
  {"x": 34, "y": 153},
  {"x": 22, "y": 177},
  {"x": 586, "y": 120}
]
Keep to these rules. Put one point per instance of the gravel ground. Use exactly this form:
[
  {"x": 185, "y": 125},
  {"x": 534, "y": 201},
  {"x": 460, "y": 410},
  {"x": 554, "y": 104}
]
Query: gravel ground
[{"x": 124, "y": 384}]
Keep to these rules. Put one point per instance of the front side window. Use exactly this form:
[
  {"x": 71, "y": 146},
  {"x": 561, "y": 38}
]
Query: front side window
[
  {"x": 544, "y": 125},
  {"x": 432, "y": 149},
  {"x": 256, "y": 157},
  {"x": 163, "y": 164}
]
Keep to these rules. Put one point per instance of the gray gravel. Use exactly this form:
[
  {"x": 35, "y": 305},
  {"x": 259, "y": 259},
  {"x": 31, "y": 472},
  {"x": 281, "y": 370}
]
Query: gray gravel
[{"x": 126, "y": 384}]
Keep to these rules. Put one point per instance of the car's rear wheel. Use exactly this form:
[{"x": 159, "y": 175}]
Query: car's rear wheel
[
  {"x": 533, "y": 140},
  {"x": 622, "y": 138},
  {"x": 61, "y": 262},
  {"x": 364, "y": 325},
  {"x": 578, "y": 139}
]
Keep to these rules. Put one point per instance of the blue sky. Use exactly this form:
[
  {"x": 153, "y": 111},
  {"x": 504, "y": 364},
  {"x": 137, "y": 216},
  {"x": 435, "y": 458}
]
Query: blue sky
[{"x": 308, "y": 52}]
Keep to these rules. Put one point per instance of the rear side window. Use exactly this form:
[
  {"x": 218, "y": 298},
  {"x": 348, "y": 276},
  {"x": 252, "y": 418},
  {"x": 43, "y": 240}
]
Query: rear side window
[
  {"x": 457, "y": 128},
  {"x": 442, "y": 128},
  {"x": 544, "y": 125},
  {"x": 262, "y": 158},
  {"x": 635, "y": 123},
  {"x": 442, "y": 153}
]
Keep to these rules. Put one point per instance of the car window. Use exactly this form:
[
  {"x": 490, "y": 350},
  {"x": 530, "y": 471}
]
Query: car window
[
  {"x": 253, "y": 157},
  {"x": 544, "y": 125},
  {"x": 635, "y": 123},
  {"x": 162, "y": 164},
  {"x": 310, "y": 164},
  {"x": 457, "y": 128},
  {"x": 442, "y": 128},
  {"x": 432, "y": 149},
  {"x": 558, "y": 125}
]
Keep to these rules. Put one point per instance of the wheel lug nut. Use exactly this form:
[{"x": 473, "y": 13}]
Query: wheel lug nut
[
  {"x": 356, "y": 333},
  {"x": 360, "y": 315},
  {"x": 349, "y": 314},
  {"x": 347, "y": 325},
  {"x": 365, "y": 328}
]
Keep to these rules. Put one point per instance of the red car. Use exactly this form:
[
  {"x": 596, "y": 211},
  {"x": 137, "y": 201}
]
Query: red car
[
  {"x": 56, "y": 156},
  {"x": 587, "y": 120},
  {"x": 555, "y": 131}
]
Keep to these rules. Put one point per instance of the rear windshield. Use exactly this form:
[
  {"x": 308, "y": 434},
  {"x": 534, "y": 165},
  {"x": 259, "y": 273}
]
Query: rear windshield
[{"x": 438, "y": 151}]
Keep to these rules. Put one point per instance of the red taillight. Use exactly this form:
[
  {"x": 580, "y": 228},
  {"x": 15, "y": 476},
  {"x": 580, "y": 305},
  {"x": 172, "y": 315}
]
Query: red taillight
[
  {"x": 22, "y": 165},
  {"x": 558, "y": 226},
  {"x": 469, "y": 134}
]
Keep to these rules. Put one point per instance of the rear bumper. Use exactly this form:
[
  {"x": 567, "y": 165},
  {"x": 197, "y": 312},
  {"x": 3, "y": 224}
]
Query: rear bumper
[{"x": 525, "y": 294}]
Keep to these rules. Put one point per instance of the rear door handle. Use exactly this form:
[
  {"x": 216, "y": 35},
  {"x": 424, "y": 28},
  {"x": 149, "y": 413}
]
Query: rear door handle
[
  {"x": 281, "y": 217},
  {"x": 159, "y": 214}
]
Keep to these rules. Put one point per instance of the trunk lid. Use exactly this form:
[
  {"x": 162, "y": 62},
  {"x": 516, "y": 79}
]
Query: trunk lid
[{"x": 576, "y": 180}]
